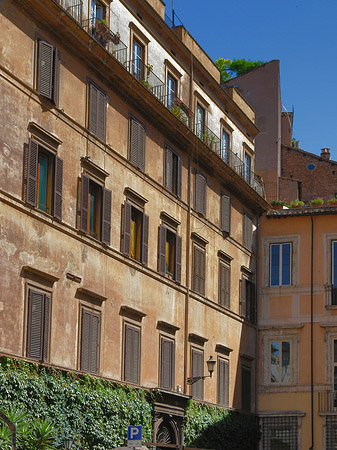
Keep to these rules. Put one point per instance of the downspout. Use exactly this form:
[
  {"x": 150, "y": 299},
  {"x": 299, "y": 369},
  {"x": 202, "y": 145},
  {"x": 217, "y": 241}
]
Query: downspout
[
  {"x": 187, "y": 298},
  {"x": 256, "y": 311},
  {"x": 312, "y": 331}
]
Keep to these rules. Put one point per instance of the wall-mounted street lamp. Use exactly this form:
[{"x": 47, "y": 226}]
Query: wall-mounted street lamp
[
  {"x": 210, "y": 367},
  {"x": 68, "y": 443}
]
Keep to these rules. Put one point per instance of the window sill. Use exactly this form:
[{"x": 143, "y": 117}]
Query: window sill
[{"x": 331, "y": 307}]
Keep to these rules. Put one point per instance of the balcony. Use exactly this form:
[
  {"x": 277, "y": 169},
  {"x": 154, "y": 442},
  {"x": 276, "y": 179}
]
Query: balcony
[
  {"x": 73, "y": 7},
  {"x": 207, "y": 136},
  {"x": 145, "y": 75},
  {"x": 327, "y": 401},
  {"x": 106, "y": 38},
  {"x": 178, "y": 108}
]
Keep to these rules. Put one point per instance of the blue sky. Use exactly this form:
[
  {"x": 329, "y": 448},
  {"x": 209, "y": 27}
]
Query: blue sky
[{"x": 302, "y": 34}]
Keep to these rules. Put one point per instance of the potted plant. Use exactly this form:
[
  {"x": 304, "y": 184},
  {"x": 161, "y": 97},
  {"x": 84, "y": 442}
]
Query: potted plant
[
  {"x": 115, "y": 38},
  {"x": 294, "y": 204},
  {"x": 332, "y": 201},
  {"x": 317, "y": 202},
  {"x": 277, "y": 204}
]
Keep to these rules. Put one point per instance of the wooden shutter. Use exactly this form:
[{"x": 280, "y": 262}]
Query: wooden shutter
[
  {"x": 127, "y": 229},
  {"x": 46, "y": 326},
  {"x": 252, "y": 302},
  {"x": 32, "y": 172},
  {"x": 56, "y": 76},
  {"x": 223, "y": 382},
  {"x": 39, "y": 305},
  {"x": 132, "y": 354},
  {"x": 248, "y": 232},
  {"x": 58, "y": 179},
  {"x": 84, "y": 203},
  {"x": 178, "y": 259},
  {"x": 141, "y": 148},
  {"x": 162, "y": 250},
  {"x": 246, "y": 388},
  {"x": 85, "y": 340},
  {"x": 94, "y": 342},
  {"x": 169, "y": 169},
  {"x": 224, "y": 285},
  {"x": 200, "y": 194},
  {"x": 106, "y": 216},
  {"x": 46, "y": 69},
  {"x": 137, "y": 144},
  {"x": 145, "y": 239},
  {"x": 243, "y": 297},
  {"x": 199, "y": 270},
  {"x": 101, "y": 114},
  {"x": 179, "y": 176},
  {"x": 202, "y": 272},
  {"x": 198, "y": 370},
  {"x": 93, "y": 108},
  {"x": 167, "y": 364},
  {"x": 225, "y": 213}
]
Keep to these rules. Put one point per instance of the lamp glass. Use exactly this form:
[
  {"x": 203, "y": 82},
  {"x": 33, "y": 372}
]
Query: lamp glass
[
  {"x": 211, "y": 365},
  {"x": 68, "y": 443}
]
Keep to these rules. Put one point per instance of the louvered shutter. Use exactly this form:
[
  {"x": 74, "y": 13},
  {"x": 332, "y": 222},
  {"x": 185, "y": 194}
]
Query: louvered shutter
[
  {"x": 145, "y": 239},
  {"x": 101, "y": 114},
  {"x": 85, "y": 340},
  {"x": 198, "y": 370},
  {"x": 128, "y": 354},
  {"x": 93, "y": 108},
  {"x": 222, "y": 285},
  {"x": 169, "y": 170},
  {"x": 223, "y": 382},
  {"x": 94, "y": 342},
  {"x": 178, "y": 259},
  {"x": 136, "y": 355},
  {"x": 58, "y": 179},
  {"x": 134, "y": 138},
  {"x": 46, "y": 326},
  {"x": 132, "y": 354},
  {"x": 225, "y": 213},
  {"x": 167, "y": 364},
  {"x": 141, "y": 148},
  {"x": 252, "y": 301},
  {"x": 162, "y": 250},
  {"x": 202, "y": 272},
  {"x": 200, "y": 194},
  {"x": 196, "y": 269},
  {"x": 127, "y": 228},
  {"x": 106, "y": 216},
  {"x": 226, "y": 383},
  {"x": 179, "y": 176},
  {"x": 243, "y": 297},
  {"x": 35, "y": 324},
  {"x": 84, "y": 203},
  {"x": 32, "y": 172},
  {"x": 56, "y": 77},
  {"x": 248, "y": 232},
  {"x": 46, "y": 69},
  {"x": 227, "y": 286}
]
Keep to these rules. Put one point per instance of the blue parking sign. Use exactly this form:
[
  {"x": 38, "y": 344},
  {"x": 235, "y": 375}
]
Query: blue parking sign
[{"x": 134, "y": 436}]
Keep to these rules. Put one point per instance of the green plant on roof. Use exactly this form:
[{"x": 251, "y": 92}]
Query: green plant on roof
[
  {"x": 231, "y": 69},
  {"x": 277, "y": 203},
  {"x": 317, "y": 201}
]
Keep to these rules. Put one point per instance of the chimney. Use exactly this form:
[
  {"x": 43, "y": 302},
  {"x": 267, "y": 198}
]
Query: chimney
[{"x": 325, "y": 153}]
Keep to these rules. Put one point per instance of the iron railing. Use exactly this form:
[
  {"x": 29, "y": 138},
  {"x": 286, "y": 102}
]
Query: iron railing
[
  {"x": 178, "y": 108},
  {"x": 207, "y": 136},
  {"x": 145, "y": 75},
  {"x": 73, "y": 7},
  {"x": 106, "y": 38}
]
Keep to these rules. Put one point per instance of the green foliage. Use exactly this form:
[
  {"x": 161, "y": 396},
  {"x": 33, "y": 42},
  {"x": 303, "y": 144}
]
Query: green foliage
[
  {"x": 277, "y": 203},
  {"x": 296, "y": 204},
  {"x": 317, "y": 201},
  {"x": 230, "y": 69},
  {"x": 213, "y": 427}
]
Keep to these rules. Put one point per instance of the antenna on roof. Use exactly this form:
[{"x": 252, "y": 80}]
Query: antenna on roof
[{"x": 172, "y": 14}]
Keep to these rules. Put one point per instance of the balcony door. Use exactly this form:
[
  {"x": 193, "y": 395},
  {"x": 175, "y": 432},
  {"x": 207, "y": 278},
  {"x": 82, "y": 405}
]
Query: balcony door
[
  {"x": 334, "y": 273},
  {"x": 97, "y": 10},
  {"x": 137, "y": 60},
  {"x": 200, "y": 121}
]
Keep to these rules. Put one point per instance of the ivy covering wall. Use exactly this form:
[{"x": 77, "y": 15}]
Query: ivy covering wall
[{"x": 97, "y": 412}]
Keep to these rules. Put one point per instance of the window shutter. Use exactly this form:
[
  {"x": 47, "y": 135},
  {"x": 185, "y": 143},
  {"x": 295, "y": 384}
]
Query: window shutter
[
  {"x": 246, "y": 382},
  {"x": 127, "y": 228},
  {"x": 226, "y": 383},
  {"x": 141, "y": 148},
  {"x": 101, "y": 114},
  {"x": 84, "y": 203},
  {"x": 248, "y": 232},
  {"x": 106, "y": 216},
  {"x": 85, "y": 344},
  {"x": 35, "y": 324},
  {"x": 136, "y": 354},
  {"x": 94, "y": 342},
  {"x": 178, "y": 258},
  {"x": 202, "y": 272},
  {"x": 227, "y": 286},
  {"x": 222, "y": 382},
  {"x": 58, "y": 177},
  {"x": 145, "y": 239},
  {"x": 127, "y": 354},
  {"x": 179, "y": 176},
  {"x": 93, "y": 108},
  {"x": 169, "y": 170},
  {"x": 46, "y": 69},
  {"x": 225, "y": 213},
  {"x": 243, "y": 297},
  {"x": 56, "y": 76},
  {"x": 198, "y": 370},
  {"x": 222, "y": 285},
  {"x": 32, "y": 172},
  {"x": 46, "y": 326},
  {"x": 134, "y": 138},
  {"x": 196, "y": 270},
  {"x": 167, "y": 363},
  {"x": 132, "y": 354},
  {"x": 162, "y": 250},
  {"x": 252, "y": 301},
  {"x": 200, "y": 194}
]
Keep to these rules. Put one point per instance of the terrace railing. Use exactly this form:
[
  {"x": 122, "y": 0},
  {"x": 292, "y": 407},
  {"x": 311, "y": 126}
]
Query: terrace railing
[
  {"x": 106, "y": 38},
  {"x": 207, "y": 136},
  {"x": 178, "y": 108},
  {"x": 73, "y": 7},
  {"x": 145, "y": 75}
]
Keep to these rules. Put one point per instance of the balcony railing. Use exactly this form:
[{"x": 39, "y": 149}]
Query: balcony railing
[
  {"x": 73, "y": 7},
  {"x": 106, "y": 38},
  {"x": 178, "y": 108},
  {"x": 327, "y": 401},
  {"x": 207, "y": 136},
  {"x": 145, "y": 75}
]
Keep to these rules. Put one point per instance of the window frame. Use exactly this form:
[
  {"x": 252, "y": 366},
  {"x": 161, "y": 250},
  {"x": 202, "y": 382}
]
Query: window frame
[
  {"x": 142, "y": 239},
  {"x": 226, "y": 152},
  {"x": 165, "y": 231},
  {"x": 280, "y": 365},
  {"x": 280, "y": 264}
]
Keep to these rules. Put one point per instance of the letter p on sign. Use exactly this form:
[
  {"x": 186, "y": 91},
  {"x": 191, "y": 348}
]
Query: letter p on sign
[{"x": 134, "y": 436}]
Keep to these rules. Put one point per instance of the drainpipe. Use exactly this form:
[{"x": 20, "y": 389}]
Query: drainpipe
[{"x": 312, "y": 331}]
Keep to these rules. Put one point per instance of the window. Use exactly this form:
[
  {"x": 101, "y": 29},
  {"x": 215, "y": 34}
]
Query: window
[
  {"x": 200, "y": 118},
  {"x": 169, "y": 259},
  {"x": 248, "y": 299},
  {"x": 199, "y": 257},
  {"x": 38, "y": 329},
  {"x": 167, "y": 363},
  {"x": 48, "y": 71},
  {"x": 331, "y": 432},
  {"x": 97, "y": 10},
  {"x": 246, "y": 388},
  {"x": 334, "y": 273},
  {"x": 335, "y": 369},
  {"x": 44, "y": 179},
  {"x": 247, "y": 231},
  {"x": 197, "y": 370},
  {"x": 132, "y": 353},
  {"x": 225, "y": 213},
  {"x": 97, "y": 111},
  {"x": 137, "y": 144},
  {"x": 224, "y": 284},
  {"x": 138, "y": 53},
  {"x": 90, "y": 340},
  {"x": 173, "y": 169},
  {"x": 200, "y": 193},
  {"x": 225, "y": 146},
  {"x": 171, "y": 90},
  {"x": 136, "y": 231},
  {"x": 95, "y": 210},
  {"x": 223, "y": 382},
  {"x": 280, "y": 433},
  {"x": 280, "y": 264},
  {"x": 248, "y": 167},
  {"x": 280, "y": 362}
]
